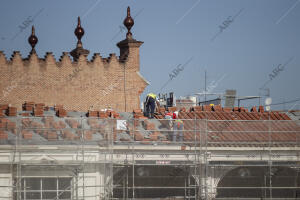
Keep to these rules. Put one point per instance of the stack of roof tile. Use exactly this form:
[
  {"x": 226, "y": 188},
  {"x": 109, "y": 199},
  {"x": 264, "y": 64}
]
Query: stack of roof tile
[
  {"x": 137, "y": 113},
  {"x": 38, "y": 110},
  {"x": 116, "y": 115},
  {"x": 3, "y": 108},
  {"x": 11, "y": 111},
  {"x": 58, "y": 107},
  {"x": 109, "y": 113},
  {"x": 92, "y": 113},
  {"x": 28, "y": 106},
  {"x": 60, "y": 111},
  {"x": 261, "y": 109},
  {"x": 103, "y": 114}
]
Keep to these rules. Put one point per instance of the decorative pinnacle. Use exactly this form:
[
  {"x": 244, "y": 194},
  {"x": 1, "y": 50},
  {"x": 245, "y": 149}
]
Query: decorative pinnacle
[
  {"x": 79, "y": 50},
  {"x": 79, "y": 31},
  {"x": 32, "y": 39},
  {"x": 128, "y": 23}
]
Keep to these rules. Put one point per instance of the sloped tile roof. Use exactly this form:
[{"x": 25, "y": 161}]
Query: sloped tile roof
[{"x": 221, "y": 127}]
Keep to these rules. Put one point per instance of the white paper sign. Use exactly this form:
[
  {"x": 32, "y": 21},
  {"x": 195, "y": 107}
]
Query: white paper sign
[{"x": 122, "y": 125}]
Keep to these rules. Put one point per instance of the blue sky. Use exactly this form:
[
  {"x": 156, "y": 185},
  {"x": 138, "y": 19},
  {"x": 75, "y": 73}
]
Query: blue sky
[{"x": 263, "y": 36}]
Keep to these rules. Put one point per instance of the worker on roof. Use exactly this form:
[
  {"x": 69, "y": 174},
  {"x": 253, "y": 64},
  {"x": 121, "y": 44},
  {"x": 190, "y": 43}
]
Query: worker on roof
[
  {"x": 178, "y": 130},
  {"x": 150, "y": 104},
  {"x": 169, "y": 117},
  {"x": 175, "y": 115}
]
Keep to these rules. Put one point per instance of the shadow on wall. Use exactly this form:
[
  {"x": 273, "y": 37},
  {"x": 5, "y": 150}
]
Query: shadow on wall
[
  {"x": 254, "y": 182},
  {"x": 153, "y": 182}
]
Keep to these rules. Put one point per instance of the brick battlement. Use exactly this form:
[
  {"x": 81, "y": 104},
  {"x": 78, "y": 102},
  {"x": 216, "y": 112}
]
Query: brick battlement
[
  {"x": 49, "y": 59},
  {"x": 77, "y": 84}
]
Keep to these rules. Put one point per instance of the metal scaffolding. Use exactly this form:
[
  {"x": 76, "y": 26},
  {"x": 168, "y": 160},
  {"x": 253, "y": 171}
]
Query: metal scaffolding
[{"x": 92, "y": 158}]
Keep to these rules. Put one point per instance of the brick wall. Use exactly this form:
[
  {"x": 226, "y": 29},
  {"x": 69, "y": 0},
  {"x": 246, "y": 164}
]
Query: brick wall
[{"x": 77, "y": 85}]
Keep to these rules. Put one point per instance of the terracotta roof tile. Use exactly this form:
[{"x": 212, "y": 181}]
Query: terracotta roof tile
[
  {"x": 216, "y": 116},
  {"x": 246, "y": 116},
  {"x": 252, "y": 130}
]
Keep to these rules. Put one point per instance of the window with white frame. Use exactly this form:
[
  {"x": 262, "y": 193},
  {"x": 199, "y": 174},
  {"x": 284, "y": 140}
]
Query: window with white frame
[{"x": 45, "y": 188}]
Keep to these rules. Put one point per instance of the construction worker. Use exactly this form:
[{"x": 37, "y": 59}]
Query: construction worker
[
  {"x": 178, "y": 130},
  {"x": 150, "y": 104},
  {"x": 175, "y": 115},
  {"x": 169, "y": 117},
  {"x": 169, "y": 123}
]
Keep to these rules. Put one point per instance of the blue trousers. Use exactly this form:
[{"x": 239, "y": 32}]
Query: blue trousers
[
  {"x": 150, "y": 106},
  {"x": 178, "y": 131}
]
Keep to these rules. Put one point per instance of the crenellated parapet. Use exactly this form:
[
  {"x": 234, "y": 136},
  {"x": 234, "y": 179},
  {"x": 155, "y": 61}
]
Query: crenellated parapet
[
  {"x": 16, "y": 58},
  {"x": 73, "y": 80}
]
